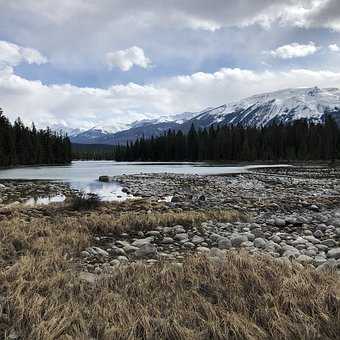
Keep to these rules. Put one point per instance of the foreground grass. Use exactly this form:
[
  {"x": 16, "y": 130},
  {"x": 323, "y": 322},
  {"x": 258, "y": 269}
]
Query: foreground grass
[{"x": 239, "y": 297}]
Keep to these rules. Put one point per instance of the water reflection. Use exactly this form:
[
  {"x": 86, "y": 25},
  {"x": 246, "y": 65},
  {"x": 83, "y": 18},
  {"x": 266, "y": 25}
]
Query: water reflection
[
  {"x": 39, "y": 200},
  {"x": 106, "y": 191}
]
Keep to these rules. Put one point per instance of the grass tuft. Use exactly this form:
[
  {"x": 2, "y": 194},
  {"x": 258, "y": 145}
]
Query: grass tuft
[{"x": 43, "y": 295}]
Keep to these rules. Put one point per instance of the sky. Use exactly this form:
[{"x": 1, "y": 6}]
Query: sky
[{"x": 107, "y": 63}]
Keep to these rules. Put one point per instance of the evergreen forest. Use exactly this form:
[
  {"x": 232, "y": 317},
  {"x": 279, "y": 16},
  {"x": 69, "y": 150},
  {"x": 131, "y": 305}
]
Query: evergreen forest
[{"x": 21, "y": 145}]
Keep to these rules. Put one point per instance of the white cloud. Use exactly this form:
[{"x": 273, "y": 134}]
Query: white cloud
[
  {"x": 13, "y": 55},
  {"x": 334, "y": 48},
  {"x": 126, "y": 59},
  {"x": 85, "y": 107},
  {"x": 295, "y": 50}
]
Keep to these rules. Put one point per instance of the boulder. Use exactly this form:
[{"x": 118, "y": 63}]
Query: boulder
[
  {"x": 105, "y": 179},
  {"x": 334, "y": 253},
  {"x": 142, "y": 241},
  {"x": 236, "y": 241},
  {"x": 147, "y": 250},
  {"x": 259, "y": 242},
  {"x": 224, "y": 243}
]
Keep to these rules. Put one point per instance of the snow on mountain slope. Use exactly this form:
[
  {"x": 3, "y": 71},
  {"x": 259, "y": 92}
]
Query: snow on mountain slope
[
  {"x": 284, "y": 105},
  {"x": 259, "y": 110}
]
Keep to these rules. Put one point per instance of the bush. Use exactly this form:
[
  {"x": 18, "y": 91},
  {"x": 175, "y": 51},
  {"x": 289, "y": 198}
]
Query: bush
[{"x": 85, "y": 202}]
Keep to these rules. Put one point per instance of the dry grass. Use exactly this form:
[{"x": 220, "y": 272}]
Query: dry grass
[
  {"x": 136, "y": 221},
  {"x": 241, "y": 297}
]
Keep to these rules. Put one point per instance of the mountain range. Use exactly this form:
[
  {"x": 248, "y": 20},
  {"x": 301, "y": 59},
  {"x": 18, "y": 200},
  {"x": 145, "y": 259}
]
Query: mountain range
[{"x": 256, "y": 111}]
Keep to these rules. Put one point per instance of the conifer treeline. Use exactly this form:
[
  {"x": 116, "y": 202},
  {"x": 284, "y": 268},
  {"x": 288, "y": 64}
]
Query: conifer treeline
[
  {"x": 20, "y": 145},
  {"x": 299, "y": 140}
]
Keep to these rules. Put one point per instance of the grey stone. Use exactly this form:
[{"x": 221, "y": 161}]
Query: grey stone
[
  {"x": 147, "y": 250},
  {"x": 99, "y": 251},
  {"x": 143, "y": 241},
  {"x": 178, "y": 229},
  {"x": 167, "y": 240},
  {"x": 318, "y": 234},
  {"x": 236, "y": 241},
  {"x": 312, "y": 239},
  {"x": 334, "y": 253},
  {"x": 130, "y": 249},
  {"x": 203, "y": 249},
  {"x": 197, "y": 239},
  {"x": 280, "y": 222},
  {"x": 276, "y": 238},
  {"x": 329, "y": 243},
  {"x": 259, "y": 242},
  {"x": 304, "y": 259},
  {"x": 153, "y": 233},
  {"x": 224, "y": 243},
  {"x": 181, "y": 237}
]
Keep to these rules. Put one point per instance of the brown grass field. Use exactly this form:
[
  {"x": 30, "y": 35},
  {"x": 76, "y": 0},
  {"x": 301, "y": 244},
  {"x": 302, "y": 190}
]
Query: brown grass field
[{"x": 43, "y": 295}]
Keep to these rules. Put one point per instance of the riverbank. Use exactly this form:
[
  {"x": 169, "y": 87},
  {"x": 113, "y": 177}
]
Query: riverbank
[{"x": 248, "y": 256}]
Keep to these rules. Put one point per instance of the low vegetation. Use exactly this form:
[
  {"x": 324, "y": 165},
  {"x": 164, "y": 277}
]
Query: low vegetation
[
  {"x": 85, "y": 202},
  {"x": 44, "y": 294}
]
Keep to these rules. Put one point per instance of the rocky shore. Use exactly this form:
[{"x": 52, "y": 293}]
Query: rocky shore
[
  {"x": 15, "y": 192},
  {"x": 292, "y": 214}
]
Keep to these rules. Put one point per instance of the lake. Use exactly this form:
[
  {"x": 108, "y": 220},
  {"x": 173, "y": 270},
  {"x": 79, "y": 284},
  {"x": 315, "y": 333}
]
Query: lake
[{"x": 83, "y": 175}]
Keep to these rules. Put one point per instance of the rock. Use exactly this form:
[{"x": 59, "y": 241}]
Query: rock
[
  {"x": 176, "y": 199},
  {"x": 118, "y": 251},
  {"x": 304, "y": 259},
  {"x": 147, "y": 250},
  {"x": 203, "y": 249},
  {"x": 314, "y": 207},
  {"x": 99, "y": 251},
  {"x": 259, "y": 242},
  {"x": 181, "y": 237},
  {"x": 141, "y": 242},
  {"x": 236, "y": 241},
  {"x": 279, "y": 222},
  {"x": 329, "y": 243},
  {"x": 312, "y": 239},
  {"x": 224, "y": 243},
  {"x": 129, "y": 248},
  {"x": 327, "y": 266},
  {"x": 289, "y": 251},
  {"x": 337, "y": 232},
  {"x": 319, "y": 260},
  {"x": 197, "y": 239},
  {"x": 276, "y": 238},
  {"x": 178, "y": 229},
  {"x": 84, "y": 253},
  {"x": 153, "y": 233},
  {"x": 318, "y": 234},
  {"x": 322, "y": 227},
  {"x": 122, "y": 259},
  {"x": 105, "y": 179},
  {"x": 217, "y": 253},
  {"x": 189, "y": 245},
  {"x": 167, "y": 240},
  {"x": 334, "y": 253}
]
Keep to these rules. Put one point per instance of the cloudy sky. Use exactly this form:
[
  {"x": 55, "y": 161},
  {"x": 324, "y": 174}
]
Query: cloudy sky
[{"x": 82, "y": 63}]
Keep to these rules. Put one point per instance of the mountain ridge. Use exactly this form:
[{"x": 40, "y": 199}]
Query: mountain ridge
[{"x": 311, "y": 103}]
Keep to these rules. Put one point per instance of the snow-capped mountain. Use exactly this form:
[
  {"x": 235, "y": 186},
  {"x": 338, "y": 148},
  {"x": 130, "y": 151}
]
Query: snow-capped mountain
[
  {"x": 63, "y": 128},
  {"x": 281, "y": 106},
  {"x": 259, "y": 110}
]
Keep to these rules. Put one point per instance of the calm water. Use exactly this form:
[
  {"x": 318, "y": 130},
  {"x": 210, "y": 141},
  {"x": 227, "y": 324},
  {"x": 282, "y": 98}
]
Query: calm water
[{"x": 83, "y": 175}]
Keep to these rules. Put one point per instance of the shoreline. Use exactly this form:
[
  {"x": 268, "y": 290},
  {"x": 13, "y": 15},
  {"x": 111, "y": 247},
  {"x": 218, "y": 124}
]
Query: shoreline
[{"x": 222, "y": 249}]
